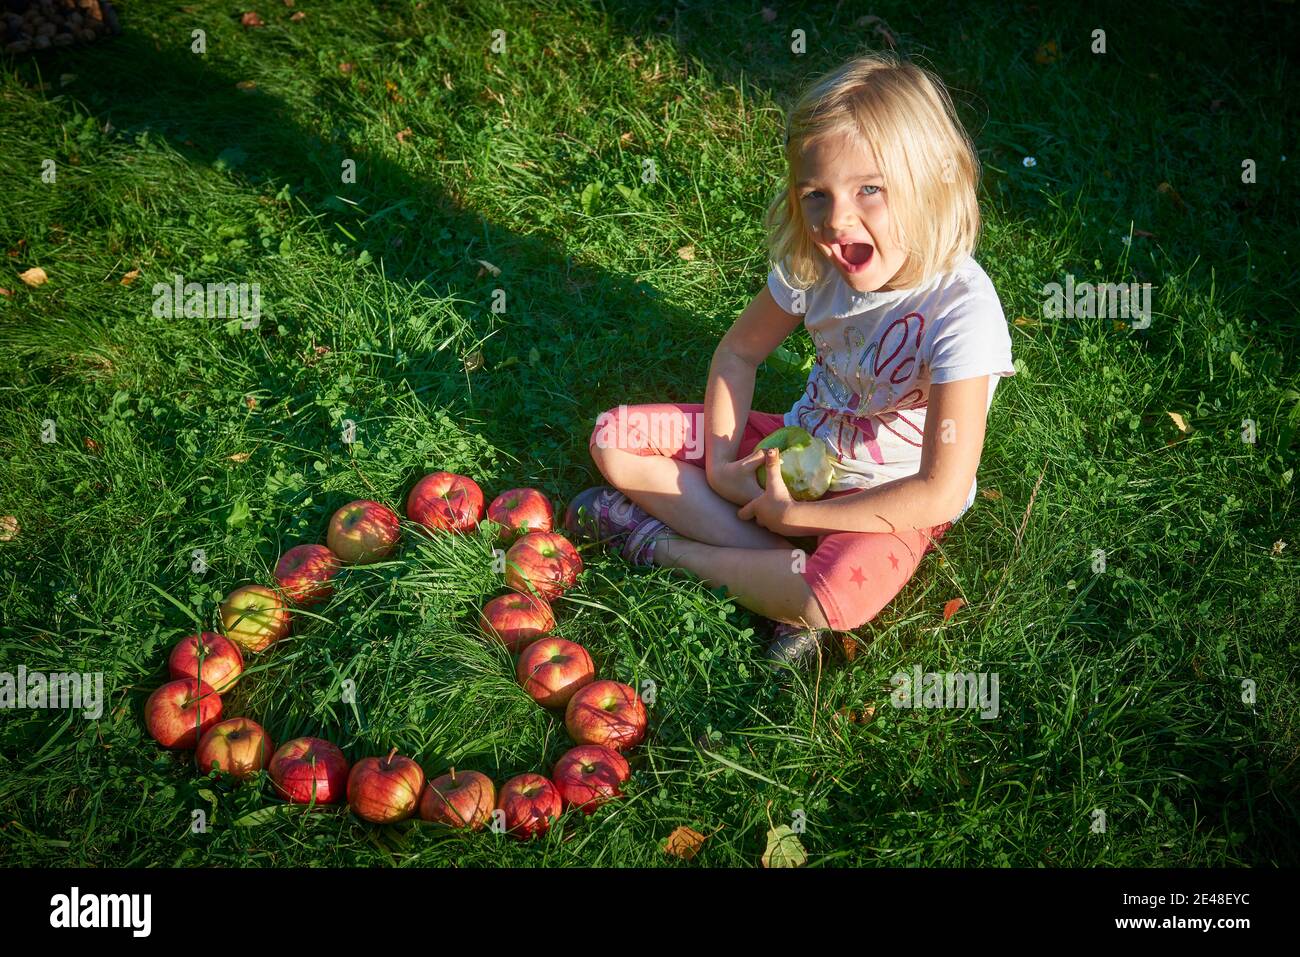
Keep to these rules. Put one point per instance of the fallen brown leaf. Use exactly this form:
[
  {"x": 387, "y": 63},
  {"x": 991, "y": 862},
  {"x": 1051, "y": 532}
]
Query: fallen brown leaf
[
  {"x": 251, "y": 19},
  {"x": 6, "y": 292},
  {"x": 246, "y": 85},
  {"x": 404, "y": 135},
  {"x": 346, "y": 67},
  {"x": 1172, "y": 194},
  {"x": 240, "y": 457},
  {"x": 130, "y": 277},
  {"x": 299, "y": 16},
  {"x": 626, "y": 138},
  {"x": 1179, "y": 421},
  {"x": 8, "y": 528},
  {"x": 91, "y": 445},
  {"x": 250, "y": 401},
  {"x": 1278, "y": 546},
  {"x": 687, "y": 253},
  {"x": 1025, "y": 321},
  {"x": 684, "y": 843},
  {"x": 34, "y": 277},
  {"x": 951, "y": 607},
  {"x": 990, "y": 493}
]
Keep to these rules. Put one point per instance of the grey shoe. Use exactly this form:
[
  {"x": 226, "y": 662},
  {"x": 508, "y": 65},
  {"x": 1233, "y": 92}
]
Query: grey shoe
[
  {"x": 603, "y": 514},
  {"x": 795, "y": 646}
]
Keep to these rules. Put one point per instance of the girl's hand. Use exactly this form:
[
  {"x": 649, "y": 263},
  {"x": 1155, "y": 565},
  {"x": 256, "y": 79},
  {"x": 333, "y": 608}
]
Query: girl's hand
[
  {"x": 736, "y": 480},
  {"x": 771, "y": 506}
]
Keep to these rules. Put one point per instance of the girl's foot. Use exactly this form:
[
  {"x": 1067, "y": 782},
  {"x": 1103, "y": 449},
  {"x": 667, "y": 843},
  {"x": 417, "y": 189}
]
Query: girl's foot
[
  {"x": 604, "y": 514},
  {"x": 796, "y": 645}
]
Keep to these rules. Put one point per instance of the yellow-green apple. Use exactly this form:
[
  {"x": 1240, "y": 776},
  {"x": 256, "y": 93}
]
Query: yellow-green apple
[
  {"x": 544, "y": 563},
  {"x": 307, "y": 767},
  {"x": 363, "y": 531},
  {"x": 178, "y": 713},
  {"x": 304, "y": 572},
  {"x": 606, "y": 712},
  {"x": 385, "y": 790},
  {"x": 553, "y": 669},
  {"x": 213, "y": 659},
  {"x": 255, "y": 617},
  {"x": 238, "y": 746},
  {"x": 459, "y": 799},
  {"x": 806, "y": 464},
  {"x": 530, "y": 803},
  {"x": 520, "y": 511},
  {"x": 516, "y": 620},
  {"x": 446, "y": 502},
  {"x": 589, "y": 775}
]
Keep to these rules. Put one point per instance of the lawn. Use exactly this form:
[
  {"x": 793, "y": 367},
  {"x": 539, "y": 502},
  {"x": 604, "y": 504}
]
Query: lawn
[{"x": 1149, "y": 710}]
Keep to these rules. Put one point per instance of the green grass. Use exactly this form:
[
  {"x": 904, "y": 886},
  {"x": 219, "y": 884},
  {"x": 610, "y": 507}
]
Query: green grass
[{"x": 1119, "y": 690}]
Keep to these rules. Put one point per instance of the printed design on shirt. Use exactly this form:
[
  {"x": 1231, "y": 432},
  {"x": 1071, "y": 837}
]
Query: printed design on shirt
[{"x": 866, "y": 375}]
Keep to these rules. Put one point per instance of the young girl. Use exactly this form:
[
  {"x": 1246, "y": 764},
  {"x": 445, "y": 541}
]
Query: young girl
[{"x": 870, "y": 241}]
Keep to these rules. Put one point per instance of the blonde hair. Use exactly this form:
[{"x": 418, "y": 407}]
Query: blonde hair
[{"x": 902, "y": 114}]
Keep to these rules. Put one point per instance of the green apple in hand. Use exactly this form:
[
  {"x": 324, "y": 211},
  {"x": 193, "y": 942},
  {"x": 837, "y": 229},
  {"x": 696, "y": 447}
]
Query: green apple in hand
[{"x": 805, "y": 462}]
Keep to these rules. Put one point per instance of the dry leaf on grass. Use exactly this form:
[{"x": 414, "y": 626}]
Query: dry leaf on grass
[
  {"x": 487, "y": 267},
  {"x": 991, "y": 494},
  {"x": 684, "y": 843},
  {"x": 687, "y": 253},
  {"x": 6, "y": 292},
  {"x": 130, "y": 277},
  {"x": 951, "y": 607},
  {"x": 240, "y": 457},
  {"x": 1172, "y": 194},
  {"x": 1179, "y": 421},
  {"x": 251, "y": 19},
  {"x": 246, "y": 85},
  {"x": 34, "y": 277},
  {"x": 405, "y": 135},
  {"x": 346, "y": 67},
  {"x": 299, "y": 16},
  {"x": 8, "y": 528},
  {"x": 1278, "y": 546}
]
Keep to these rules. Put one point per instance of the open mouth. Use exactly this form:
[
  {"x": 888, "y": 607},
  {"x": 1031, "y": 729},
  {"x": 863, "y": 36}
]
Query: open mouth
[{"x": 853, "y": 257}]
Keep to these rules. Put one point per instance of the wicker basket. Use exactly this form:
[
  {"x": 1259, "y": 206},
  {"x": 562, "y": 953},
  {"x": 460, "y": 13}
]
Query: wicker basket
[{"x": 30, "y": 26}]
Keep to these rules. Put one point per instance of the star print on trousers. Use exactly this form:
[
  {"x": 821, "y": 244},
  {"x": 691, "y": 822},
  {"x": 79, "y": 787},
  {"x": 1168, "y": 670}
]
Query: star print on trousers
[{"x": 857, "y": 577}]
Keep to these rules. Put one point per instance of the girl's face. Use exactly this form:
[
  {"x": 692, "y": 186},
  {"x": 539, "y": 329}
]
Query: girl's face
[{"x": 846, "y": 207}]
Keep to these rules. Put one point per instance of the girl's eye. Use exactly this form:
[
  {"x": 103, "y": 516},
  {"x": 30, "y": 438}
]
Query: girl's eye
[{"x": 871, "y": 191}]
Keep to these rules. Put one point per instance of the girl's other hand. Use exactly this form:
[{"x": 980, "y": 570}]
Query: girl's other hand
[{"x": 736, "y": 481}]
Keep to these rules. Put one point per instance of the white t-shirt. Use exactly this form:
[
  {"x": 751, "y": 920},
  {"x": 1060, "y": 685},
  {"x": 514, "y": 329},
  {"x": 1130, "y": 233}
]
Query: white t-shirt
[{"x": 878, "y": 353}]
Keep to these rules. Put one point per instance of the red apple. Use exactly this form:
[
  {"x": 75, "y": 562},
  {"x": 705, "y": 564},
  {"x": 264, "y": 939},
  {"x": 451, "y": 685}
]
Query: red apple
[
  {"x": 310, "y": 766},
  {"x": 178, "y": 713},
  {"x": 238, "y": 746},
  {"x": 304, "y": 572},
  {"x": 589, "y": 775},
  {"x": 255, "y": 617},
  {"x": 213, "y": 659},
  {"x": 542, "y": 561},
  {"x": 520, "y": 511},
  {"x": 459, "y": 799},
  {"x": 553, "y": 669},
  {"x": 446, "y": 502},
  {"x": 606, "y": 712},
  {"x": 516, "y": 620},
  {"x": 385, "y": 790},
  {"x": 363, "y": 531},
  {"x": 530, "y": 803}
]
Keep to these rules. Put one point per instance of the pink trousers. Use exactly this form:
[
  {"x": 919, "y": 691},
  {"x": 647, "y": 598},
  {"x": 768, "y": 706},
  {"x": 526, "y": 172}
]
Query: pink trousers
[{"x": 852, "y": 574}]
